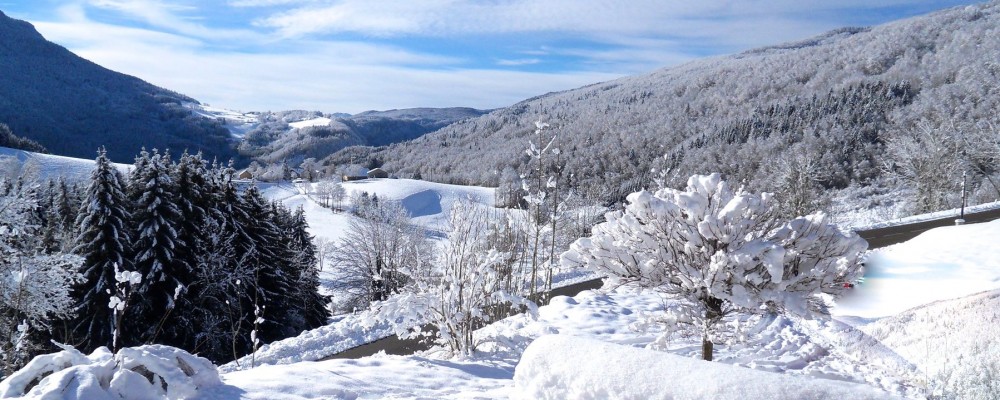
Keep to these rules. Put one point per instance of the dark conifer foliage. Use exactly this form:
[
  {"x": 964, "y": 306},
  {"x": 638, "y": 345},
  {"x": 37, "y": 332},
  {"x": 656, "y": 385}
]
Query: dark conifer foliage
[
  {"x": 313, "y": 305},
  {"x": 220, "y": 265},
  {"x": 104, "y": 241},
  {"x": 156, "y": 220}
]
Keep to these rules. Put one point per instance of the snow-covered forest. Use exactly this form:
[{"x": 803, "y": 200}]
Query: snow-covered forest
[
  {"x": 845, "y": 118},
  {"x": 173, "y": 253}
]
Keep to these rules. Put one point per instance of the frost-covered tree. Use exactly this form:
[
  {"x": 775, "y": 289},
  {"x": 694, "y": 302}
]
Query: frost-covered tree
[
  {"x": 105, "y": 243},
  {"x": 720, "y": 251},
  {"x": 34, "y": 285},
  {"x": 460, "y": 289},
  {"x": 541, "y": 183},
  {"x": 378, "y": 251}
]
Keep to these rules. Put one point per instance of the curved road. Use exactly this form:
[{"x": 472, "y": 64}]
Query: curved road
[
  {"x": 882, "y": 237},
  {"x": 877, "y": 238}
]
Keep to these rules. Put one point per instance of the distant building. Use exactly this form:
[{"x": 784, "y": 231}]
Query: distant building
[
  {"x": 378, "y": 173},
  {"x": 245, "y": 174},
  {"x": 348, "y": 178}
]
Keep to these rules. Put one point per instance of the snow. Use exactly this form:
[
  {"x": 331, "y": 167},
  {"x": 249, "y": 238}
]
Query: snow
[
  {"x": 144, "y": 372},
  {"x": 916, "y": 349},
  {"x": 566, "y": 367},
  {"x": 320, "y": 121},
  {"x": 942, "y": 263},
  {"x": 238, "y": 123},
  {"x": 953, "y": 213},
  {"x": 52, "y": 167}
]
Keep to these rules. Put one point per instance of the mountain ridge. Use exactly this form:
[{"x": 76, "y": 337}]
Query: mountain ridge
[{"x": 72, "y": 106}]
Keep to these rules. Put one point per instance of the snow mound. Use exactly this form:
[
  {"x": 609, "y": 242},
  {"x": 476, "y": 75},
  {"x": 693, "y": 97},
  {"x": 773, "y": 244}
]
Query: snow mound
[
  {"x": 942, "y": 263},
  {"x": 565, "y": 367},
  {"x": 145, "y": 372},
  {"x": 428, "y": 203}
]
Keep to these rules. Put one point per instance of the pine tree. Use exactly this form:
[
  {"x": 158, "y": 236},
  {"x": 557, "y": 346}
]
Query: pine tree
[
  {"x": 103, "y": 242},
  {"x": 311, "y": 304},
  {"x": 156, "y": 218},
  {"x": 270, "y": 258}
]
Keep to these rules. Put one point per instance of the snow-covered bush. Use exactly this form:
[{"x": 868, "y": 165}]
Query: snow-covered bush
[
  {"x": 566, "y": 367},
  {"x": 719, "y": 252},
  {"x": 145, "y": 372}
]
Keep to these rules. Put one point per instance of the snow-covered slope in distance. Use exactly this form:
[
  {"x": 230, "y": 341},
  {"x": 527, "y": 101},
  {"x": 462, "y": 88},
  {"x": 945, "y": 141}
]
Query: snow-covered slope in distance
[{"x": 48, "y": 166}]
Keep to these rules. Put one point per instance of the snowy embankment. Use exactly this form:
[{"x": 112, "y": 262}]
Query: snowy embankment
[
  {"x": 942, "y": 263},
  {"x": 953, "y": 213},
  {"x": 953, "y": 341},
  {"x": 566, "y": 367}
]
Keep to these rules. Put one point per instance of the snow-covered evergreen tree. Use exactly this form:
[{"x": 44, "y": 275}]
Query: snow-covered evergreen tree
[
  {"x": 156, "y": 219},
  {"x": 720, "y": 251},
  {"x": 104, "y": 242},
  {"x": 311, "y": 304}
]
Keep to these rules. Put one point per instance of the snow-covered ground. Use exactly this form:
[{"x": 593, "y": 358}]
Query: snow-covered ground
[
  {"x": 943, "y": 263},
  {"x": 923, "y": 343},
  {"x": 886, "y": 354}
]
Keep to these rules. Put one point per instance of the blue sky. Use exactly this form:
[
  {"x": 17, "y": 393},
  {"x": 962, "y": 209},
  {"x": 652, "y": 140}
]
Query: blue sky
[{"x": 357, "y": 55}]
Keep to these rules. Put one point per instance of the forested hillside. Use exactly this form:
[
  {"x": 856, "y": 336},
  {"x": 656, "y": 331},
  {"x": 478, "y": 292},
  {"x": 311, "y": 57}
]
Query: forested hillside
[
  {"x": 72, "y": 106},
  {"x": 279, "y": 138},
  {"x": 907, "y": 105}
]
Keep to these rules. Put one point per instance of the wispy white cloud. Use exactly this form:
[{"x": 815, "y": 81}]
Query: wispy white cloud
[
  {"x": 171, "y": 16},
  {"x": 263, "y": 3},
  {"x": 316, "y": 75},
  {"x": 518, "y": 62}
]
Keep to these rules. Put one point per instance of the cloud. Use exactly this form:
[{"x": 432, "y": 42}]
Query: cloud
[
  {"x": 263, "y": 3},
  {"x": 315, "y": 75},
  {"x": 168, "y": 15},
  {"x": 518, "y": 62}
]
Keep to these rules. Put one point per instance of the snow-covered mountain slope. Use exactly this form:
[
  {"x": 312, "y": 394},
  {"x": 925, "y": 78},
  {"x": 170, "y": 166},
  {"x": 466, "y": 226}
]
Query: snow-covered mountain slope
[
  {"x": 73, "y": 106},
  {"x": 46, "y": 166},
  {"x": 238, "y": 123},
  {"x": 837, "y": 100},
  {"x": 294, "y": 135}
]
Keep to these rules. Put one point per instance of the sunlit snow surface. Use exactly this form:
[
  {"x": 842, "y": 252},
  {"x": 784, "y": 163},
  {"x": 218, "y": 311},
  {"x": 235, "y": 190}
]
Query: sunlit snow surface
[{"x": 943, "y": 263}]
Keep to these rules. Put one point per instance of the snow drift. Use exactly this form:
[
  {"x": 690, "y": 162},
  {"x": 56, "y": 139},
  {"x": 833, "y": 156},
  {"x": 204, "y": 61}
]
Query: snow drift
[
  {"x": 565, "y": 367},
  {"x": 144, "y": 372}
]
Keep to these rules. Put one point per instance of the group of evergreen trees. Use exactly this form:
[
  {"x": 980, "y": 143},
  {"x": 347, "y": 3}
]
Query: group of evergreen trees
[{"x": 220, "y": 269}]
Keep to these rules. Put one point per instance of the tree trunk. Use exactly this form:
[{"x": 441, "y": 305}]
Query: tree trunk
[{"x": 706, "y": 349}]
